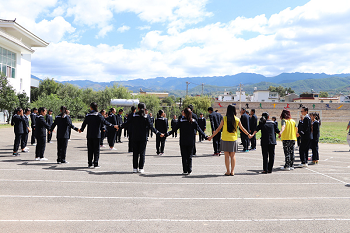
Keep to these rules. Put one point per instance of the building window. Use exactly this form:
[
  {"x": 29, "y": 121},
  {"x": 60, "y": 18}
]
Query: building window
[{"x": 7, "y": 63}]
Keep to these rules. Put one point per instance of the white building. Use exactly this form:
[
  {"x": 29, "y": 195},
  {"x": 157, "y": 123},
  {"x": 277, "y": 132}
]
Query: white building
[
  {"x": 16, "y": 44},
  {"x": 265, "y": 96},
  {"x": 232, "y": 98}
]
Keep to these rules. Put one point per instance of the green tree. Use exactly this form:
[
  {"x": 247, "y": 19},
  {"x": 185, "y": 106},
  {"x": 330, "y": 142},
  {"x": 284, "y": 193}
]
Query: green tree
[
  {"x": 152, "y": 102},
  {"x": 50, "y": 102},
  {"x": 23, "y": 100},
  {"x": 323, "y": 94},
  {"x": 8, "y": 98},
  {"x": 282, "y": 91},
  {"x": 46, "y": 87},
  {"x": 200, "y": 103}
]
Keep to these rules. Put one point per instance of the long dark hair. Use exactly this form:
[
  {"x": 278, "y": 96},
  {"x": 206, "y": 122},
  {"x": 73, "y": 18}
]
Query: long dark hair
[
  {"x": 285, "y": 114},
  {"x": 231, "y": 122},
  {"x": 264, "y": 117},
  {"x": 142, "y": 107},
  {"x": 188, "y": 115},
  {"x": 93, "y": 105},
  {"x": 159, "y": 113},
  {"x": 63, "y": 110}
]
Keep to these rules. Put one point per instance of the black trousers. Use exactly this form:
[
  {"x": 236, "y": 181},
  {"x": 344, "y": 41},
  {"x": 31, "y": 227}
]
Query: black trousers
[
  {"x": 268, "y": 153},
  {"x": 40, "y": 147},
  {"x": 194, "y": 150},
  {"x": 253, "y": 142},
  {"x": 304, "y": 150},
  {"x": 18, "y": 138},
  {"x": 93, "y": 145},
  {"x": 111, "y": 137},
  {"x": 32, "y": 141},
  {"x": 130, "y": 146},
  {"x": 103, "y": 135},
  {"x": 62, "y": 144},
  {"x": 186, "y": 155},
  {"x": 245, "y": 141},
  {"x": 216, "y": 143},
  {"x": 139, "y": 151},
  {"x": 160, "y": 144},
  {"x": 201, "y": 138},
  {"x": 150, "y": 133},
  {"x": 126, "y": 133},
  {"x": 174, "y": 134},
  {"x": 314, "y": 148},
  {"x": 118, "y": 135},
  {"x": 24, "y": 140},
  {"x": 49, "y": 136}
]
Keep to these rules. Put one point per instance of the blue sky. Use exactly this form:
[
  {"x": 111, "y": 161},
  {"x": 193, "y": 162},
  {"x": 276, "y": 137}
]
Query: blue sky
[{"x": 118, "y": 40}]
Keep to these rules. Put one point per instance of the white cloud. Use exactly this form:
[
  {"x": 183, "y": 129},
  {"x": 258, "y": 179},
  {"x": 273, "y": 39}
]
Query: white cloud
[
  {"x": 123, "y": 29},
  {"x": 54, "y": 30},
  {"x": 103, "y": 32},
  {"x": 146, "y": 27}
]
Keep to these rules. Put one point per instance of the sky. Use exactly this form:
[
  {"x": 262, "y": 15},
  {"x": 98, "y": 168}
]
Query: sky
[{"x": 111, "y": 40}]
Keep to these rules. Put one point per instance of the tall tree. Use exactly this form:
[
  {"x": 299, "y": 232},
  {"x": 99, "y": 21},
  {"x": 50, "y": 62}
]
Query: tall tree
[{"x": 8, "y": 98}]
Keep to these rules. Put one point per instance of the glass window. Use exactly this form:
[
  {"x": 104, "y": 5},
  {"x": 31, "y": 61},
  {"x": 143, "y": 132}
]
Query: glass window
[
  {"x": 8, "y": 62},
  {"x": 13, "y": 74}
]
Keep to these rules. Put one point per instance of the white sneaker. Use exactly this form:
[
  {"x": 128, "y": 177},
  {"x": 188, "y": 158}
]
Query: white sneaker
[
  {"x": 305, "y": 165},
  {"x": 43, "y": 159},
  {"x": 285, "y": 168},
  {"x": 112, "y": 148},
  {"x": 141, "y": 171},
  {"x": 292, "y": 168},
  {"x": 37, "y": 158},
  {"x": 103, "y": 146},
  {"x": 184, "y": 173},
  {"x": 26, "y": 148},
  {"x": 134, "y": 170}
]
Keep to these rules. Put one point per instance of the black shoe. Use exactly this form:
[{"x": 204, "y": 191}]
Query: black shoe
[{"x": 59, "y": 162}]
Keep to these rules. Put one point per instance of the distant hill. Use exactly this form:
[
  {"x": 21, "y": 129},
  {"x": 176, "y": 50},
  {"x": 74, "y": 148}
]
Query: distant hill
[{"x": 300, "y": 82}]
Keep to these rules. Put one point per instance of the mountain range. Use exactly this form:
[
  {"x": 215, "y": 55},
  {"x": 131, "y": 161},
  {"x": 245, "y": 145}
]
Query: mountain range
[{"x": 299, "y": 82}]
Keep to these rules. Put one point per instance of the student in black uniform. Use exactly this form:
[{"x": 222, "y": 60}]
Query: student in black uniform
[
  {"x": 18, "y": 122},
  {"x": 138, "y": 134},
  {"x": 194, "y": 116},
  {"x": 215, "y": 121},
  {"x": 151, "y": 118},
  {"x": 304, "y": 130},
  {"x": 162, "y": 126},
  {"x": 40, "y": 134},
  {"x": 103, "y": 129},
  {"x": 202, "y": 122},
  {"x": 119, "y": 123},
  {"x": 94, "y": 121},
  {"x": 26, "y": 130},
  {"x": 126, "y": 130},
  {"x": 245, "y": 124},
  {"x": 130, "y": 146},
  {"x": 33, "y": 116},
  {"x": 111, "y": 131},
  {"x": 188, "y": 128},
  {"x": 315, "y": 134},
  {"x": 70, "y": 120},
  {"x": 253, "y": 122},
  {"x": 49, "y": 121},
  {"x": 173, "y": 123},
  {"x": 63, "y": 126},
  {"x": 274, "y": 119},
  {"x": 268, "y": 141}
]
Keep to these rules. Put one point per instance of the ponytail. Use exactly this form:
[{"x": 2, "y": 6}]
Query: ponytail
[
  {"x": 264, "y": 118},
  {"x": 141, "y": 107},
  {"x": 63, "y": 110},
  {"x": 159, "y": 113},
  {"x": 188, "y": 115},
  {"x": 93, "y": 105}
]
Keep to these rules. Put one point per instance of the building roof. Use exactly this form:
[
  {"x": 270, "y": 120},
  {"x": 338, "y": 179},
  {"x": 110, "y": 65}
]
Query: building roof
[
  {"x": 12, "y": 39},
  {"x": 25, "y": 36}
]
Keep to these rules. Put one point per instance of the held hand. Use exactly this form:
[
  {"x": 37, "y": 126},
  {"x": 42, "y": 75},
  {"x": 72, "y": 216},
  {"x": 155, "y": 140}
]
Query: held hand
[
  {"x": 162, "y": 135},
  {"x": 49, "y": 132},
  {"x": 279, "y": 135},
  {"x": 79, "y": 131},
  {"x": 250, "y": 136},
  {"x": 116, "y": 127},
  {"x": 29, "y": 130},
  {"x": 209, "y": 138},
  {"x": 298, "y": 135}
]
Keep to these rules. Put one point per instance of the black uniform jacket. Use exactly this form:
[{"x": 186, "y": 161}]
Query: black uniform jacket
[
  {"x": 41, "y": 126},
  {"x": 174, "y": 122},
  {"x": 63, "y": 125},
  {"x": 161, "y": 124},
  {"x": 49, "y": 119},
  {"x": 304, "y": 128},
  {"x": 140, "y": 125},
  {"x": 245, "y": 122},
  {"x": 18, "y": 122},
  {"x": 202, "y": 123},
  {"x": 187, "y": 131},
  {"x": 26, "y": 124},
  {"x": 113, "y": 120},
  {"x": 315, "y": 130},
  {"x": 268, "y": 132},
  {"x": 215, "y": 120},
  {"x": 253, "y": 121},
  {"x": 32, "y": 119},
  {"x": 94, "y": 120}
]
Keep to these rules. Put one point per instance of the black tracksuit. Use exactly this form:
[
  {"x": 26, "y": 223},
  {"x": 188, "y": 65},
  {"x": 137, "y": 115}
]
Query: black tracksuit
[
  {"x": 103, "y": 134},
  {"x": 126, "y": 134},
  {"x": 32, "y": 124},
  {"x": 304, "y": 129},
  {"x": 173, "y": 123},
  {"x": 194, "y": 116},
  {"x": 111, "y": 135},
  {"x": 40, "y": 134},
  {"x": 187, "y": 140},
  {"x": 268, "y": 142},
  {"x": 94, "y": 120},
  {"x": 18, "y": 122},
  {"x": 253, "y": 121},
  {"x": 314, "y": 141},
  {"x": 151, "y": 119},
  {"x": 161, "y": 124},
  {"x": 24, "y": 138},
  {"x": 215, "y": 120},
  {"x": 244, "y": 137},
  {"x": 119, "y": 123},
  {"x": 49, "y": 121},
  {"x": 138, "y": 135},
  {"x": 203, "y": 125},
  {"x": 63, "y": 127}
]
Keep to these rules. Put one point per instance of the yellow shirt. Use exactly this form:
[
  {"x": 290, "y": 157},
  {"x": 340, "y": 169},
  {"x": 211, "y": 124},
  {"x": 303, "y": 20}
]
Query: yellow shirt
[
  {"x": 227, "y": 136},
  {"x": 289, "y": 132}
]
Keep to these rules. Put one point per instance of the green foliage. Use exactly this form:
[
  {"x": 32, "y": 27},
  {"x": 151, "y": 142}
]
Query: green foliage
[
  {"x": 323, "y": 94},
  {"x": 200, "y": 103},
  {"x": 23, "y": 100},
  {"x": 8, "y": 98},
  {"x": 46, "y": 87},
  {"x": 50, "y": 102},
  {"x": 282, "y": 91},
  {"x": 152, "y": 102}
]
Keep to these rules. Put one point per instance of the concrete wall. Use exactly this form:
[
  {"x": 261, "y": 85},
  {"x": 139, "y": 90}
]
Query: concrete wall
[{"x": 329, "y": 112}]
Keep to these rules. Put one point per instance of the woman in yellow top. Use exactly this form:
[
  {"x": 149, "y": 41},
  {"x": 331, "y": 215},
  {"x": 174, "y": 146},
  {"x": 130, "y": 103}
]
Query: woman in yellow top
[
  {"x": 228, "y": 144},
  {"x": 288, "y": 137}
]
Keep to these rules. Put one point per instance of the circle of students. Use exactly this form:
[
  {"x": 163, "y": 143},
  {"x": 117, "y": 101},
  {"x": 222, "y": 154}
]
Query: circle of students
[{"x": 138, "y": 126}]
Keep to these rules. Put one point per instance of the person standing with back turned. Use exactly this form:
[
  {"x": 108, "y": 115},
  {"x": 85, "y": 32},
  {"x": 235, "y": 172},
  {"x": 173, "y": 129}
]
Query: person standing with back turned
[
  {"x": 94, "y": 120},
  {"x": 215, "y": 119},
  {"x": 253, "y": 124},
  {"x": 245, "y": 124},
  {"x": 305, "y": 140}
]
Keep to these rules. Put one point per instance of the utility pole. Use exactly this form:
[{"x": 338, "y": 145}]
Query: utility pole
[
  {"x": 202, "y": 88},
  {"x": 187, "y": 83},
  {"x": 240, "y": 96}
]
